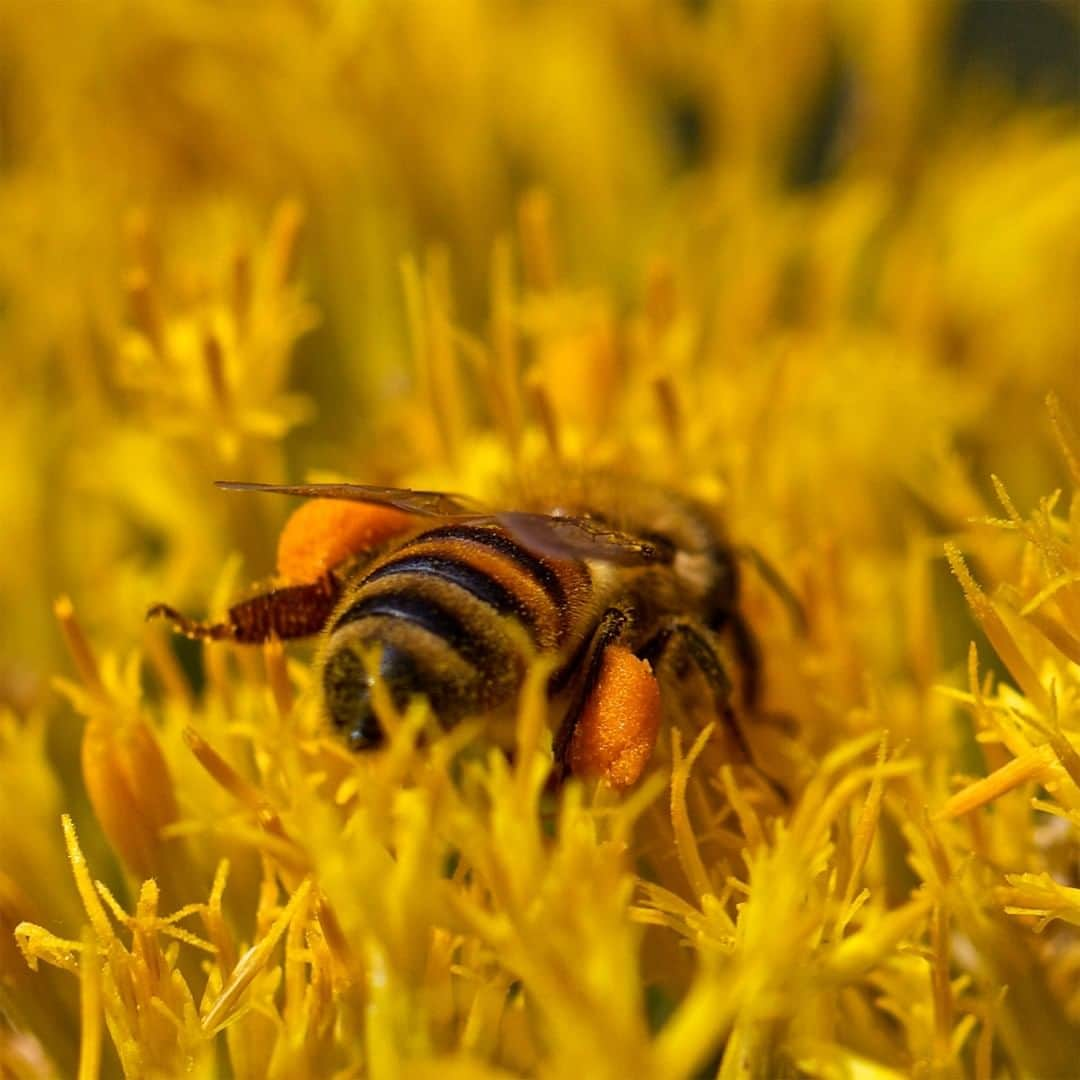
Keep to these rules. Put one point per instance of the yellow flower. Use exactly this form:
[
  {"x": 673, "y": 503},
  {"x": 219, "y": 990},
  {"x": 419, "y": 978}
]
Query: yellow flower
[{"x": 812, "y": 267}]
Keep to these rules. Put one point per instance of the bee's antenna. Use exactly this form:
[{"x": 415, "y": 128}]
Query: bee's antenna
[{"x": 776, "y": 582}]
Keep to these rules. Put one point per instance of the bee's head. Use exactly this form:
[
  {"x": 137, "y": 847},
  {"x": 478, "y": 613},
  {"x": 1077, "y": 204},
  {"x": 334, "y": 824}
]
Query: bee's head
[{"x": 347, "y": 692}]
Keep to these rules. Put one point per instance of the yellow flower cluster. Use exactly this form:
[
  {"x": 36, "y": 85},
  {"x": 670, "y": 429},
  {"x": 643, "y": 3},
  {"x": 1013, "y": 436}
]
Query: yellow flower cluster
[{"x": 810, "y": 263}]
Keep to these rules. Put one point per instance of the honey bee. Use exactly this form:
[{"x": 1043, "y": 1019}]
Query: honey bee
[{"x": 626, "y": 592}]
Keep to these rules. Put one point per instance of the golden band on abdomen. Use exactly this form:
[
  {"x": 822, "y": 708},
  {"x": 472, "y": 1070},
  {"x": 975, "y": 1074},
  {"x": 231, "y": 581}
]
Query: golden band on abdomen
[
  {"x": 489, "y": 565},
  {"x": 443, "y": 608}
]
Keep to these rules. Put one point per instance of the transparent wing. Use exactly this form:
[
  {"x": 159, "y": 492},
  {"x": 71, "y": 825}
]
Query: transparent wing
[
  {"x": 554, "y": 536},
  {"x": 422, "y": 503},
  {"x": 581, "y": 538}
]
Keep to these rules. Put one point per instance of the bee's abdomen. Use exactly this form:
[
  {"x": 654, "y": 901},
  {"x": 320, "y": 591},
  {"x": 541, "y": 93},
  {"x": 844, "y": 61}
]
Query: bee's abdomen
[
  {"x": 492, "y": 568},
  {"x": 412, "y": 607},
  {"x": 447, "y": 609},
  {"x": 472, "y": 580}
]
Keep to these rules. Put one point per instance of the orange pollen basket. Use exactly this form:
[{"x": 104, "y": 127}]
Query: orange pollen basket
[
  {"x": 323, "y": 533},
  {"x": 617, "y": 732}
]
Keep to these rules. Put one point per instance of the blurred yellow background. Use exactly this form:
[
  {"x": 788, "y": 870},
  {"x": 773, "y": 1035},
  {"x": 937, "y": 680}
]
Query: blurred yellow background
[
  {"x": 389, "y": 241},
  {"x": 893, "y": 185}
]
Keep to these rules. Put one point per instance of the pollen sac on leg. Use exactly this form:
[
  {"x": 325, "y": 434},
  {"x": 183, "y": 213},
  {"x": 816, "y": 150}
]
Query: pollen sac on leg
[
  {"x": 324, "y": 533},
  {"x": 617, "y": 732}
]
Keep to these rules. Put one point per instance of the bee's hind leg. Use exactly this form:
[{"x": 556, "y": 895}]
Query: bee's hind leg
[
  {"x": 294, "y": 611},
  {"x": 695, "y": 639},
  {"x": 610, "y": 630},
  {"x": 748, "y": 657}
]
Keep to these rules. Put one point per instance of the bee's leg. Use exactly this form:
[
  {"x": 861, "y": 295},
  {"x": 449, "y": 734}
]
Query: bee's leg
[
  {"x": 696, "y": 641},
  {"x": 748, "y": 655},
  {"x": 610, "y": 630},
  {"x": 294, "y": 611}
]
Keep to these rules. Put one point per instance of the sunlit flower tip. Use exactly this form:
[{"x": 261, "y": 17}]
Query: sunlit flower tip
[
  {"x": 863, "y": 950},
  {"x": 124, "y": 769},
  {"x": 137, "y": 989},
  {"x": 253, "y": 962},
  {"x": 994, "y": 627},
  {"x": 78, "y": 647},
  {"x": 344, "y": 968},
  {"x": 130, "y": 788},
  {"x": 865, "y": 830},
  {"x": 288, "y": 853},
  {"x": 686, "y": 844},
  {"x": 213, "y": 919},
  {"x": 1040, "y": 897},
  {"x": 829, "y": 1059},
  {"x": 1038, "y": 765},
  {"x": 244, "y": 792},
  {"x": 88, "y": 894},
  {"x": 1067, "y": 755},
  {"x": 37, "y": 944}
]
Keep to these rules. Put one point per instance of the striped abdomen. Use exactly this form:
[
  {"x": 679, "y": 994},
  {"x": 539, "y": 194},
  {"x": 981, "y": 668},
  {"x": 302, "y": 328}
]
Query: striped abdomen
[{"x": 455, "y": 611}]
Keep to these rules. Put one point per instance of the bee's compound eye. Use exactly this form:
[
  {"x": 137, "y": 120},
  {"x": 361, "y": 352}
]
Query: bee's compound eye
[{"x": 347, "y": 692}]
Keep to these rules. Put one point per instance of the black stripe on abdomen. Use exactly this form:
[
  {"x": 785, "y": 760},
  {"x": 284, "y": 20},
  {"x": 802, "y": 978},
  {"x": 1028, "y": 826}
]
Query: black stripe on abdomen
[
  {"x": 498, "y": 541},
  {"x": 457, "y": 572},
  {"x": 420, "y": 611}
]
